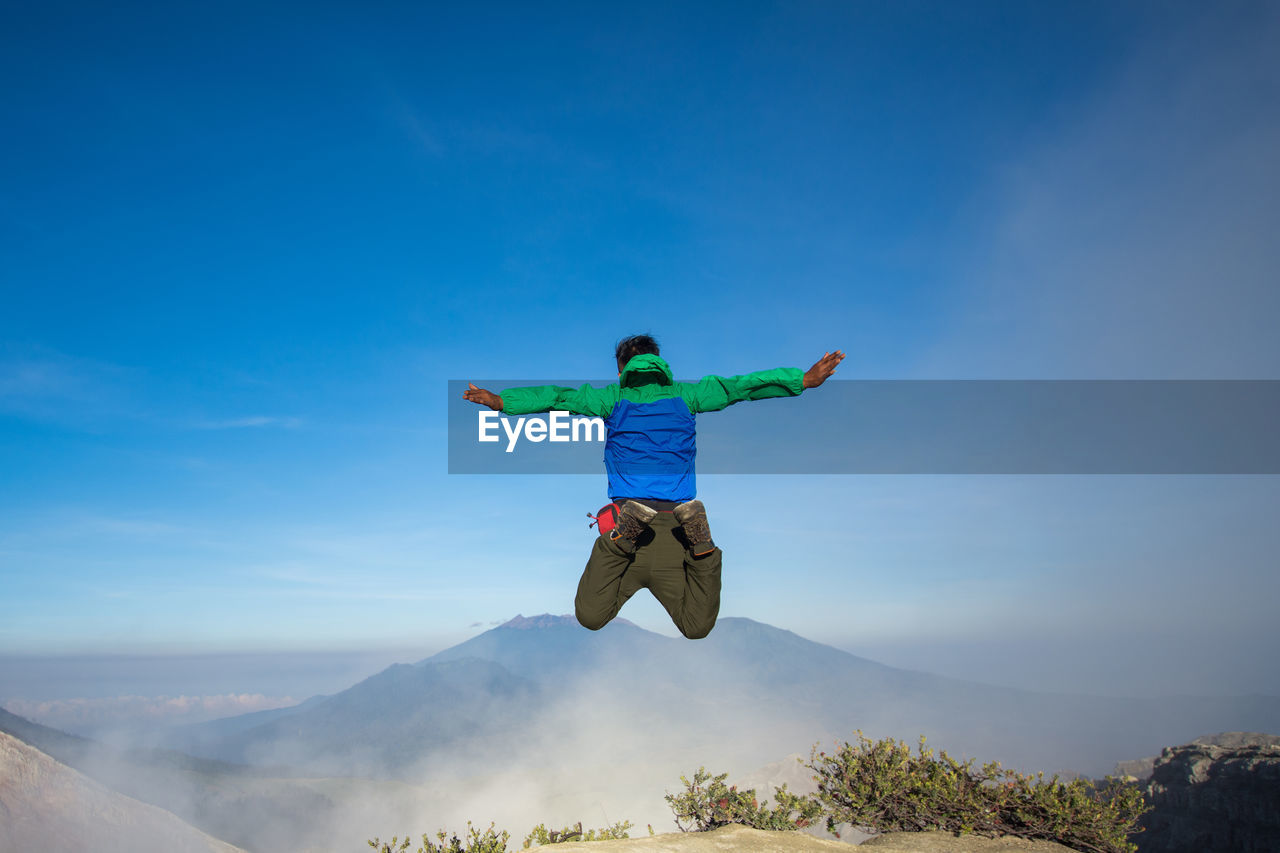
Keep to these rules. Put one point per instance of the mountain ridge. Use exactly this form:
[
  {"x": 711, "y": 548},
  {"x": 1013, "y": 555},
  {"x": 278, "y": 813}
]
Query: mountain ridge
[{"x": 762, "y": 685}]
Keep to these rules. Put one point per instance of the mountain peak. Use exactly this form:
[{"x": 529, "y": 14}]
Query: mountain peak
[
  {"x": 547, "y": 620},
  {"x": 542, "y": 620}
]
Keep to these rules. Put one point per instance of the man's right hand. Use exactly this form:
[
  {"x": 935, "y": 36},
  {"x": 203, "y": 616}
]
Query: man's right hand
[{"x": 483, "y": 397}]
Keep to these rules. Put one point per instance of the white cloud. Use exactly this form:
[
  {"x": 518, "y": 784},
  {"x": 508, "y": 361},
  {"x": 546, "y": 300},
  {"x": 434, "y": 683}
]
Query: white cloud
[
  {"x": 89, "y": 714},
  {"x": 250, "y": 422},
  {"x": 44, "y": 384}
]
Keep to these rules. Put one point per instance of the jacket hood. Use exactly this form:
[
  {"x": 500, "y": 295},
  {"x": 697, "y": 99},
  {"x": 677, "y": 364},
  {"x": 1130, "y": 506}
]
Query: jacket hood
[{"x": 645, "y": 370}]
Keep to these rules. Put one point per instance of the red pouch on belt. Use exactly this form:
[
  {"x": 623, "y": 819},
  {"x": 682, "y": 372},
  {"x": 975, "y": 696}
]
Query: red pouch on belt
[{"x": 607, "y": 518}]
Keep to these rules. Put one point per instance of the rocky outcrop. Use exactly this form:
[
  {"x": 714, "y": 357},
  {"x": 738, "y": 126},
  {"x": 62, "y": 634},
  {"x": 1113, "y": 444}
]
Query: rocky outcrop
[
  {"x": 1140, "y": 768},
  {"x": 49, "y": 807},
  {"x": 1207, "y": 797}
]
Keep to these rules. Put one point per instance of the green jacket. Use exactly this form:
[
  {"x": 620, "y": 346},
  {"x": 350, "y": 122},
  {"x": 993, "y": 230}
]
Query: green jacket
[
  {"x": 647, "y": 379},
  {"x": 650, "y": 449}
]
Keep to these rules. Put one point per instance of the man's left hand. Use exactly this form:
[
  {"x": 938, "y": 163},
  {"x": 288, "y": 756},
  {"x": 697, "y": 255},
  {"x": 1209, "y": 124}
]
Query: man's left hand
[{"x": 822, "y": 369}]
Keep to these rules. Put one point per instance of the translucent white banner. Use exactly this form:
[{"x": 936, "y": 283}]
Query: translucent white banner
[{"x": 921, "y": 427}]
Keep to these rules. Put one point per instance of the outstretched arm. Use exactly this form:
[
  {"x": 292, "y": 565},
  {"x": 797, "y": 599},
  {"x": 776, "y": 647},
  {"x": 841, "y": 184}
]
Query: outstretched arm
[
  {"x": 713, "y": 393},
  {"x": 483, "y": 397},
  {"x": 822, "y": 369},
  {"x": 593, "y": 402}
]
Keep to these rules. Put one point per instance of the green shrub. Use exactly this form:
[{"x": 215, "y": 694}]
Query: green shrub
[
  {"x": 884, "y": 787},
  {"x": 490, "y": 841},
  {"x": 708, "y": 803},
  {"x": 540, "y": 835},
  {"x": 477, "y": 842}
]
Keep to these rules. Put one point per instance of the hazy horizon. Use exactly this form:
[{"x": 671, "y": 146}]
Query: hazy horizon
[{"x": 96, "y": 695}]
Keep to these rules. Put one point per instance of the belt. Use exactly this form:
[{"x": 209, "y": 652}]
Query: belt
[{"x": 661, "y": 506}]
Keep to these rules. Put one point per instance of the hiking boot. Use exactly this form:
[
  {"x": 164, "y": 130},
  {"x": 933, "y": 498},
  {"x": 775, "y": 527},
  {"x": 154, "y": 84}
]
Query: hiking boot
[
  {"x": 692, "y": 515},
  {"x": 633, "y": 520}
]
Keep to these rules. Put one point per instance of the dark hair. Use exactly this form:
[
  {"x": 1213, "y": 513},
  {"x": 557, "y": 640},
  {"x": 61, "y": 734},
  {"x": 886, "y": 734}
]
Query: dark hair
[{"x": 629, "y": 348}]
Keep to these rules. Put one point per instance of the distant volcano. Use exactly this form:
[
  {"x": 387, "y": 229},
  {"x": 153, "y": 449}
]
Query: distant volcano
[{"x": 535, "y": 686}]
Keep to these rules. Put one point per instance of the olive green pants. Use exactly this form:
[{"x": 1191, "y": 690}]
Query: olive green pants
[{"x": 687, "y": 586}]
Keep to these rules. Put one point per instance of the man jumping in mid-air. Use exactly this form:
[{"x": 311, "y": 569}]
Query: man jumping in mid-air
[{"x": 661, "y": 540}]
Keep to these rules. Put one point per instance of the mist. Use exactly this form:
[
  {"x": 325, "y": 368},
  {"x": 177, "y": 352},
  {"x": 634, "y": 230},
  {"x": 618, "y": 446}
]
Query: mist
[
  {"x": 539, "y": 721},
  {"x": 106, "y": 676},
  {"x": 590, "y": 755}
]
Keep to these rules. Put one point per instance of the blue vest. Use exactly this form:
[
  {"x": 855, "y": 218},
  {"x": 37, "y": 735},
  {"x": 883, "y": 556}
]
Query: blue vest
[{"x": 650, "y": 450}]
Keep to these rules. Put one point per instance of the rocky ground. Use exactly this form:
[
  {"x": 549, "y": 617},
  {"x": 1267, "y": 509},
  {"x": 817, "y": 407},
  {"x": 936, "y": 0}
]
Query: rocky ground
[{"x": 740, "y": 839}]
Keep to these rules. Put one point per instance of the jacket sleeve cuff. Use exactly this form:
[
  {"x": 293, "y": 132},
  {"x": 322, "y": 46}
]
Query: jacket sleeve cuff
[{"x": 517, "y": 401}]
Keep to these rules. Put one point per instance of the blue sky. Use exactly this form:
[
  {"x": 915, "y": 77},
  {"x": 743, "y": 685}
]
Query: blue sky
[{"x": 244, "y": 249}]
